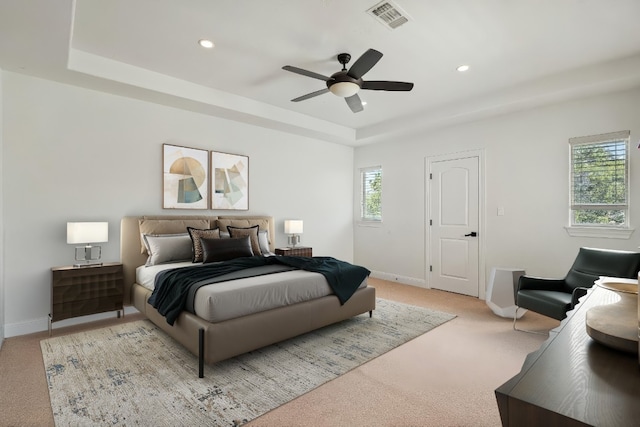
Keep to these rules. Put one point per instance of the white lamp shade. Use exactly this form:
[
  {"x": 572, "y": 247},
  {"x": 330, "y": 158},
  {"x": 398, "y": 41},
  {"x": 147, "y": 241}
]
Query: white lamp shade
[
  {"x": 293, "y": 226},
  {"x": 344, "y": 89},
  {"x": 87, "y": 232}
]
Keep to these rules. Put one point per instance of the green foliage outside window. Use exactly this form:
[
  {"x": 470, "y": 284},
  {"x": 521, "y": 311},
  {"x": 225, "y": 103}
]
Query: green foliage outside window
[
  {"x": 599, "y": 183},
  {"x": 372, "y": 194}
]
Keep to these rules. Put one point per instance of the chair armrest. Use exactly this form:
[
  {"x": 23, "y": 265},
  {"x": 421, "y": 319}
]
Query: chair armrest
[
  {"x": 539, "y": 283},
  {"x": 577, "y": 293}
]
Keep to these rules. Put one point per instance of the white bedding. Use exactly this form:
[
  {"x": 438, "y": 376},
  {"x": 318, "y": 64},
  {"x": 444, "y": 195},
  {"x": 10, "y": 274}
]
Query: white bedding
[
  {"x": 240, "y": 297},
  {"x": 146, "y": 276}
]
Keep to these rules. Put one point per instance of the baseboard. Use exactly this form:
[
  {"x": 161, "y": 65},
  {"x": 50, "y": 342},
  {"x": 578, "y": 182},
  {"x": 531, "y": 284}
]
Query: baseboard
[
  {"x": 42, "y": 324},
  {"x": 420, "y": 283}
]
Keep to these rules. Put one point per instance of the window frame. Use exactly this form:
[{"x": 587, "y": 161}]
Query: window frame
[
  {"x": 599, "y": 230},
  {"x": 365, "y": 219}
]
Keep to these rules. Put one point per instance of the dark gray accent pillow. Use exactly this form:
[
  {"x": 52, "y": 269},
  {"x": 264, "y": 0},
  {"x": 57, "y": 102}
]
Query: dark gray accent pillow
[
  {"x": 215, "y": 250},
  {"x": 197, "y": 234}
]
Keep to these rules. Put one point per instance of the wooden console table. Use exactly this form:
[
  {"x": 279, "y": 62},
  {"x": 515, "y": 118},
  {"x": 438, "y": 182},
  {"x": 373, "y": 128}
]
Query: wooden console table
[{"x": 572, "y": 380}]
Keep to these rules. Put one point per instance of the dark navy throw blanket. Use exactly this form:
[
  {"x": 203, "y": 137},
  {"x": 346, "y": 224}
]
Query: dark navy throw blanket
[{"x": 172, "y": 286}]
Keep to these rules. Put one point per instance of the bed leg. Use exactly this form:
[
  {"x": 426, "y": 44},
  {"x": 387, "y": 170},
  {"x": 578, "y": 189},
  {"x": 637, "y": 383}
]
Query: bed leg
[
  {"x": 201, "y": 353},
  {"x": 370, "y": 314}
]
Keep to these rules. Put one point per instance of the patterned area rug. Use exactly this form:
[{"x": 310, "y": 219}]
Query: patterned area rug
[{"x": 135, "y": 374}]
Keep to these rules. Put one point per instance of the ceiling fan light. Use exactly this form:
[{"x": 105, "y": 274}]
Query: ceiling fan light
[{"x": 344, "y": 89}]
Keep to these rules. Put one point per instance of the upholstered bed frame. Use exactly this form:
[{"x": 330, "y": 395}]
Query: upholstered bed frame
[{"x": 213, "y": 342}]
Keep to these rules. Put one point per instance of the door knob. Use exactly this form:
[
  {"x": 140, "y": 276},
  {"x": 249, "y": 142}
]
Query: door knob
[{"x": 472, "y": 234}]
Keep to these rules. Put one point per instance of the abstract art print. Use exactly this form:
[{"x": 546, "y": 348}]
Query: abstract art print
[
  {"x": 185, "y": 183},
  {"x": 230, "y": 181}
]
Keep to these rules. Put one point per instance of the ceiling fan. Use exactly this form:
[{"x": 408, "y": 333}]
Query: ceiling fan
[{"x": 346, "y": 84}]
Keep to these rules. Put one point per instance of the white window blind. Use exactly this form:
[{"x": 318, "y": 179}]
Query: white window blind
[
  {"x": 600, "y": 180},
  {"x": 371, "y": 194}
]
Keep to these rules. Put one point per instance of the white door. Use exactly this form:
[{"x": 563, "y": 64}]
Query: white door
[{"x": 454, "y": 208}]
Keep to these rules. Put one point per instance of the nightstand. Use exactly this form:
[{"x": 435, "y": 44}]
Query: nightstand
[
  {"x": 296, "y": 251},
  {"x": 79, "y": 291}
]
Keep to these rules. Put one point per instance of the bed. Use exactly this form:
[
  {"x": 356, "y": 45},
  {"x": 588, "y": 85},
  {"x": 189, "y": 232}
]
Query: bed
[{"x": 217, "y": 339}]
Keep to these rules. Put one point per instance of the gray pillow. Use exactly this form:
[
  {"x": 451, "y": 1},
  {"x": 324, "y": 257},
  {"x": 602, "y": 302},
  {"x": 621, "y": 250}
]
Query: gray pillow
[
  {"x": 167, "y": 248},
  {"x": 158, "y": 227},
  {"x": 215, "y": 250}
]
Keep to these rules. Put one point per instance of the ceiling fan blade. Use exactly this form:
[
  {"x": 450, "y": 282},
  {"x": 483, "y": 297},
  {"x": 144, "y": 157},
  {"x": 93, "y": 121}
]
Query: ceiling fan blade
[
  {"x": 385, "y": 85},
  {"x": 310, "y": 95},
  {"x": 354, "y": 103},
  {"x": 364, "y": 63},
  {"x": 305, "y": 73}
]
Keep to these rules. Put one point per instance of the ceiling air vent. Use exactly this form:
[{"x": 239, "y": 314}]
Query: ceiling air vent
[{"x": 389, "y": 14}]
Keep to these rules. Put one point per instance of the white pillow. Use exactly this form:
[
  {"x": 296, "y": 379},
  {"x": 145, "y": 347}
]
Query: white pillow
[
  {"x": 165, "y": 248},
  {"x": 263, "y": 241}
]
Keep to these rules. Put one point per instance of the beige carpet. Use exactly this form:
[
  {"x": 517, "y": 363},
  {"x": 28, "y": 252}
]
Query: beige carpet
[
  {"x": 135, "y": 374},
  {"x": 444, "y": 378}
]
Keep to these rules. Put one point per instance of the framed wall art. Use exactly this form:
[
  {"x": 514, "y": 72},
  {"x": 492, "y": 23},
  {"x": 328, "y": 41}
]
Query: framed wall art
[
  {"x": 185, "y": 180},
  {"x": 229, "y": 181}
]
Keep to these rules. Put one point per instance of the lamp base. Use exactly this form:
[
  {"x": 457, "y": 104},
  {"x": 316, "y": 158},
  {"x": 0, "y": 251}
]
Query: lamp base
[
  {"x": 294, "y": 239},
  {"x": 88, "y": 256},
  {"x": 87, "y": 264}
]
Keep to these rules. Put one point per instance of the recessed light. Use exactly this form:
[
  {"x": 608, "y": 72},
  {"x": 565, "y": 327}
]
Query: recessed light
[
  {"x": 364, "y": 102},
  {"x": 462, "y": 68},
  {"x": 208, "y": 44}
]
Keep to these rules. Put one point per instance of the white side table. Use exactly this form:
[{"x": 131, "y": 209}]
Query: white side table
[{"x": 501, "y": 291}]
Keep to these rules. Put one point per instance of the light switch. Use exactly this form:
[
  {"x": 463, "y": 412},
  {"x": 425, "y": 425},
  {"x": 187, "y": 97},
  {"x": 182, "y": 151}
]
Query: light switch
[{"x": 501, "y": 211}]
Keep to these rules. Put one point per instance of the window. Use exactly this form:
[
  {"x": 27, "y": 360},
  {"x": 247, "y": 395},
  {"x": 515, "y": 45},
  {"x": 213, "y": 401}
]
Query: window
[
  {"x": 600, "y": 180},
  {"x": 371, "y": 194}
]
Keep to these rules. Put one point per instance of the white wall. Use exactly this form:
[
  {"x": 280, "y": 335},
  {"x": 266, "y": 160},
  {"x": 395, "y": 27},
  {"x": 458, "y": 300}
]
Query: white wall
[
  {"x": 527, "y": 169},
  {"x": 74, "y": 154},
  {"x": 1, "y": 224}
]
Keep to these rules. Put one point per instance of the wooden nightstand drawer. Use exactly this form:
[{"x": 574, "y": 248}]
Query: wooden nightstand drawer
[{"x": 296, "y": 251}]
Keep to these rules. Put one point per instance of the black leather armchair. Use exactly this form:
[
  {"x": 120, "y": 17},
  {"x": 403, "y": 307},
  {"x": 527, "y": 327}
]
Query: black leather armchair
[{"x": 554, "y": 297}]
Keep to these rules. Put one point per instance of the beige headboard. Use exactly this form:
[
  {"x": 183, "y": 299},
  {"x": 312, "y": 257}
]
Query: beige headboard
[{"x": 132, "y": 257}]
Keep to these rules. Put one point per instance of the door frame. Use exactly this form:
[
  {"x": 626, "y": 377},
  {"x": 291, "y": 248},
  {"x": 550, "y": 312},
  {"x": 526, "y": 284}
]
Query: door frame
[{"x": 479, "y": 153}]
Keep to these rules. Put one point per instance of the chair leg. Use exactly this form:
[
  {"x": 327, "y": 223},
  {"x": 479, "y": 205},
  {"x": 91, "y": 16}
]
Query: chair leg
[{"x": 515, "y": 317}]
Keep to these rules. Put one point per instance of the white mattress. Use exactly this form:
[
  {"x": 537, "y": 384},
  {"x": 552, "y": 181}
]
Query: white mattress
[{"x": 236, "y": 298}]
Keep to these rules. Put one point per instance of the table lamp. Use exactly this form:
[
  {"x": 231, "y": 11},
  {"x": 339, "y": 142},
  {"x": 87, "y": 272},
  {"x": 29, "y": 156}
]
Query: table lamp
[
  {"x": 86, "y": 234},
  {"x": 293, "y": 227}
]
